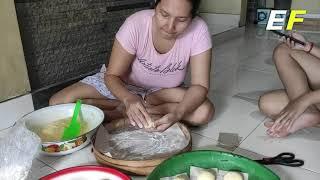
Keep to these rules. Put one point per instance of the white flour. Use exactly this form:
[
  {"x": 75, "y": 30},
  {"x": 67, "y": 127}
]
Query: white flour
[{"x": 137, "y": 144}]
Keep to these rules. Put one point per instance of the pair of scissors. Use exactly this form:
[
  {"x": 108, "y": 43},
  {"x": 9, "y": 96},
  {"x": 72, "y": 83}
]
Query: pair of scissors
[{"x": 286, "y": 159}]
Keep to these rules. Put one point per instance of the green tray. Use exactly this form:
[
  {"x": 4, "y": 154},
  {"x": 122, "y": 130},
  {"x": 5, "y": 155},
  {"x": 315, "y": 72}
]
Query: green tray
[{"x": 212, "y": 159}]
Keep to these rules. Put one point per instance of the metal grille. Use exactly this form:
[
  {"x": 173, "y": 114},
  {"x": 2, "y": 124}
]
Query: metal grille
[{"x": 69, "y": 39}]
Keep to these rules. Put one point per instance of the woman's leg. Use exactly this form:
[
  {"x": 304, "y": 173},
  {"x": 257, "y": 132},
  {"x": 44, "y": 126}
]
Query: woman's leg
[
  {"x": 89, "y": 95},
  {"x": 165, "y": 101},
  {"x": 299, "y": 73},
  {"x": 273, "y": 102}
]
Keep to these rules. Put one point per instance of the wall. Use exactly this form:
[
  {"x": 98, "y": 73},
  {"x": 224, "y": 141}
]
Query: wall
[
  {"x": 269, "y": 3},
  {"x": 220, "y": 6},
  {"x": 243, "y": 13},
  {"x": 222, "y": 16},
  {"x": 13, "y": 72},
  {"x": 312, "y": 6}
]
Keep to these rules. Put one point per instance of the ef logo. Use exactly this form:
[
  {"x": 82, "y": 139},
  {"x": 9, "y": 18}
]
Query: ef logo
[{"x": 292, "y": 19}]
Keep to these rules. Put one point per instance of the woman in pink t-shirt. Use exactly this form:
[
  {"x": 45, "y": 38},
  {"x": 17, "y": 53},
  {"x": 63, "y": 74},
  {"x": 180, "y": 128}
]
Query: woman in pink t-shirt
[{"x": 150, "y": 57}]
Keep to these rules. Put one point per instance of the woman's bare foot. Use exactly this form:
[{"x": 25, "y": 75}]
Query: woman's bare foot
[{"x": 308, "y": 119}]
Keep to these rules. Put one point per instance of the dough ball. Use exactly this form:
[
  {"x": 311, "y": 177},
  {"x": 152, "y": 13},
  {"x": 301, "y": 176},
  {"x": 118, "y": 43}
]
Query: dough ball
[
  {"x": 205, "y": 175},
  {"x": 233, "y": 176},
  {"x": 150, "y": 125},
  {"x": 180, "y": 177}
]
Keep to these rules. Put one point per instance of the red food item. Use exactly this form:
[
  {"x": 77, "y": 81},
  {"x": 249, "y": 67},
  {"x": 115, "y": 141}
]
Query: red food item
[{"x": 52, "y": 148}]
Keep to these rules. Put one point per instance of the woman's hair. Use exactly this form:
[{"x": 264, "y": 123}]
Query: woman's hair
[{"x": 195, "y": 6}]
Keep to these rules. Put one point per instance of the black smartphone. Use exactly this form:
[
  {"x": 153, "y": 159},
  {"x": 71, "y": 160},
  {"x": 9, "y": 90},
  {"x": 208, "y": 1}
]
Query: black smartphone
[{"x": 288, "y": 36}]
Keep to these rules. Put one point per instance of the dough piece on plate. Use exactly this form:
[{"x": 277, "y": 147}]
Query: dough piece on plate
[
  {"x": 232, "y": 175},
  {"x": 197, "y": 173},
  {"x": 183, "y": 176}
]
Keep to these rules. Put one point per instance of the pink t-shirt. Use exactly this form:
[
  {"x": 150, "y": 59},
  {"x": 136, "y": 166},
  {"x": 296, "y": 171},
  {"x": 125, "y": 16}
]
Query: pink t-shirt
[{"x": 151, "y": 69}]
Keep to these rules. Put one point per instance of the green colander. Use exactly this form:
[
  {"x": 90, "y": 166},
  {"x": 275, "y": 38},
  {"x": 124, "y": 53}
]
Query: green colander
[{"x": 211, "y": 159}]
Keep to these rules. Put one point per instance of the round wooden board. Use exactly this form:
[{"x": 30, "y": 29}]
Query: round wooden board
[{"x": 143, "y": 167}]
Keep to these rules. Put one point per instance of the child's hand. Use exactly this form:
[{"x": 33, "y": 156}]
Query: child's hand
[
  {"x": 297, "y": 46},
  {"x": 289, "y": 114}
]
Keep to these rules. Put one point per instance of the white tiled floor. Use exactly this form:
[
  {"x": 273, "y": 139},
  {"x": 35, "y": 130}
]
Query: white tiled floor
[
  {"x": 243, "y": 70},
  {"x": 14, "y": 109}
]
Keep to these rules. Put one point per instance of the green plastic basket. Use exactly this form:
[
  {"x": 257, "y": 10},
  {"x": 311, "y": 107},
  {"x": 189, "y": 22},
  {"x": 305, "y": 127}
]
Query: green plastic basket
[{"x": 212, "y": 159}]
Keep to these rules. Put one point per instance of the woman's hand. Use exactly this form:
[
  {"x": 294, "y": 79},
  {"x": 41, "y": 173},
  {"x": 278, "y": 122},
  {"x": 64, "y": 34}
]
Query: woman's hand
[
  {"x": 298, "y": 46},
  {"x": 166, "y": 121},
  {"x": 289, "y": 114},
  {"x": 136, "y": 111}
]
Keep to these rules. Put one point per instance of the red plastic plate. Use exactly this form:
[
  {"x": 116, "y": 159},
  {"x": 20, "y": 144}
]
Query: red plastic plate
[{"x": 87, "y": 172}]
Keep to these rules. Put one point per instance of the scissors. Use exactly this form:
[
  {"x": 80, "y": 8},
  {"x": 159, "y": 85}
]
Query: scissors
[{"x": 286, "y": 159}]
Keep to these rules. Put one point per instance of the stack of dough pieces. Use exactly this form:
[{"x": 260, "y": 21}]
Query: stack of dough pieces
[
  {"x": 183, "y": 176},
  {"x": 232, "y": 175},
  {"x": 197, "y": 173}
]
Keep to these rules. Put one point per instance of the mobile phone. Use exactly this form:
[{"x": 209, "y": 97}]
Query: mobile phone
[{"x": 288, "y": 36}]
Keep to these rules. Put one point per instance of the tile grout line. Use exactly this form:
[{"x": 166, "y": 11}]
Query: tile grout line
[
  {"x": 250, "y": 68},
  {"x": 310, "y": 170},
  {"x": 244, "y": 67},
  {"x": 254, "y": 152},
  {"x": 252, "y": 131},
  {"x": 46, "y": 164},
  {"x": 204, "y": 136}
]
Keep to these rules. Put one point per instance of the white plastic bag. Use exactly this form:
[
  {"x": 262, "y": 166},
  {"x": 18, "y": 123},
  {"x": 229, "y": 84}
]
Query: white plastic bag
[{"x": 17, "y": 150}]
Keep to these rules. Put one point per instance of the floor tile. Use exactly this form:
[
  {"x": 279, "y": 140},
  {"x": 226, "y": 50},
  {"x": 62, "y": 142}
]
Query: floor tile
[
  {"x": 12, "y": 110},
  {"x": 48, "y": 159},
  {"x": 260, "y": 62},
  {"x": 304, "y": 144},
  {"x": 284, "y": 172},
  {"x": 236, "y": 80},
  {"x": 138, "y": 177},
  {"x": 38, "y": 170},
  {"x": 200, "y": 142},
  {"x": 232, "y": 115}
]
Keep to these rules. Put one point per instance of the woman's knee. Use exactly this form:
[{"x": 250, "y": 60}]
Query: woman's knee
[
  {"x": 62, "y": 97},
  {"x": 54, "y": 100},
  {"x": 204, "y": 114},
  {"x": 279, "y": 51},
  {"x": 266, "y": 105}
]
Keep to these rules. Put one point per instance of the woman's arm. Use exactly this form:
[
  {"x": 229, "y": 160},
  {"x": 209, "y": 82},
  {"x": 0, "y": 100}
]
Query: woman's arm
[
  {"x": 200, "y": 84},
  {"x": 312, "y": 49},
  {"x": 315, "y": 51},
  {"x": 196, "y": 93},
  {"x": 119, "y": 63},
  {"x": 312, "y": 98}
]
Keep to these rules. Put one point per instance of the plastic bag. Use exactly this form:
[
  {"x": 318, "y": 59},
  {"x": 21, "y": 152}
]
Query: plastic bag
[{"x": 17, "y": 150}]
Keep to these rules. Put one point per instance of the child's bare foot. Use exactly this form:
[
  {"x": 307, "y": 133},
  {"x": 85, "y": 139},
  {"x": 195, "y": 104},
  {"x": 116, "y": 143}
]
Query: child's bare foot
[{"x": 308, "y": 119}]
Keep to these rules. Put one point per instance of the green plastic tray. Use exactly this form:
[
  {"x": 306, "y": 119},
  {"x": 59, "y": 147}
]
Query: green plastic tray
[{"x": 212, "y": 159}]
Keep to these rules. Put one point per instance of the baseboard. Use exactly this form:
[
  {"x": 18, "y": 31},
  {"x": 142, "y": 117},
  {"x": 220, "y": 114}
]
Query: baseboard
[
  {"x": 311, "y": 16},
  {"x": 310, "y": 24},
  {"x": 223, "y": 37}
]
